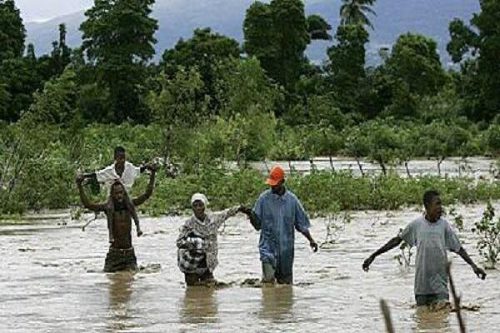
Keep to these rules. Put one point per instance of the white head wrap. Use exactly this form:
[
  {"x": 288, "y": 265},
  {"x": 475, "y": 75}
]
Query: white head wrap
[{"x": 201, "y": 197}]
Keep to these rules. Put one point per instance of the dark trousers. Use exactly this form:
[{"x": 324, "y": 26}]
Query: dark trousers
[
  {"x": 193, "y": 279},
  {"x": 271, "y": 275},
  {"x": 429, "y": 299},
  {"x": 120, "y": 260}
]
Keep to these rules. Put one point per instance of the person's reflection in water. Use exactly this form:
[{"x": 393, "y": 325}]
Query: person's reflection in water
[
  {"x": 120, "y": 290},
  {"x": 435, "y": 318},
  {"x": 277, "y": 302},
  {"x": 200, "y": 305}
]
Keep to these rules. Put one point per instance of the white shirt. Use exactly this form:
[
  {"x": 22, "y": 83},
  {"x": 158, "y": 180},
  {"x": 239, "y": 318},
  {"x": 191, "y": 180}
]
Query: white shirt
[{"x": 108, "y": 175}]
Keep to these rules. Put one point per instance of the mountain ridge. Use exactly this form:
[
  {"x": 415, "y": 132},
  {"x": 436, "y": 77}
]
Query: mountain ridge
[{"x": 176, "y": 20}]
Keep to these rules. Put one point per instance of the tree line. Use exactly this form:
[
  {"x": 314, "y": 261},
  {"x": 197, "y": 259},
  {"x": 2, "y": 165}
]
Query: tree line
[
  {"x": 210, "y": 99},
  {"x": 115, "y": 80}
]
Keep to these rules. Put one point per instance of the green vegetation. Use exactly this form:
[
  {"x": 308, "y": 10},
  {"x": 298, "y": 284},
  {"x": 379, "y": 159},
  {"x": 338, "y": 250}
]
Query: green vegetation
[
  {"x": 210, "y": 100},
  {"x": 488, "y": 231},
  {"x": 41, "y": 163}
]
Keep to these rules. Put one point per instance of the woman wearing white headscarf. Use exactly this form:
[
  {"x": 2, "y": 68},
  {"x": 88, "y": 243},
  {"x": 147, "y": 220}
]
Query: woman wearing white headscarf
[{"x": 197, "y": 241}]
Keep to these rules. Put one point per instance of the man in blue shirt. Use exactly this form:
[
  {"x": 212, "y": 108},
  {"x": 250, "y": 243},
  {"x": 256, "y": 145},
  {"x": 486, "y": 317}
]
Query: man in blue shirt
[{"x": 276, "y": 214}]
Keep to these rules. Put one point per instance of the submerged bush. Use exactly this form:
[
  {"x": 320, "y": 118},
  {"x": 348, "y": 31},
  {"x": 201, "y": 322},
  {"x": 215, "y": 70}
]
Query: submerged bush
[{"x": 488, "y": 231}]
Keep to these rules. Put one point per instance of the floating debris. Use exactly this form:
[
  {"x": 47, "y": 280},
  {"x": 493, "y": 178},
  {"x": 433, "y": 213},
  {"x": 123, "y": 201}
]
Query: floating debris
[
  {"x": 26, "y": 250},
  {"x": 150, "y": 268}
]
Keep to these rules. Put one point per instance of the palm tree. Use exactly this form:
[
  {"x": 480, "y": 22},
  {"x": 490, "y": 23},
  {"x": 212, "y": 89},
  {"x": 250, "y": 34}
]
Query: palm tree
[{"x": 355, "y": 12}]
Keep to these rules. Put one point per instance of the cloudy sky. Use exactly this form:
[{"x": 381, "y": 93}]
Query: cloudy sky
[{"x": 42, "y": 10}]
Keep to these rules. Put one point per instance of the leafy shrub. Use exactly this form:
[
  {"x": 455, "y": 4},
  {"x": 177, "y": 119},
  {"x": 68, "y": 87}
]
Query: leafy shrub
[{"x": 488, "y": 231}]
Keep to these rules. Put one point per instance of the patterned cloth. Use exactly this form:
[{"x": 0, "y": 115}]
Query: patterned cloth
[
  {"x": 120, "y": 260},
  {"x": 277, "y": 217},
  {"x": 189, "y": 255},
  {"x": 192, "y": 257}
]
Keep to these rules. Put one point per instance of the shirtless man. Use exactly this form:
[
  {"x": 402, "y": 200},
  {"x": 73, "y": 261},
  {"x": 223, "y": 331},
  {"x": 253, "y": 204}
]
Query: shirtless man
[
  {"x": 121, "y": 255},
  {"x": 126, "y": 173}
]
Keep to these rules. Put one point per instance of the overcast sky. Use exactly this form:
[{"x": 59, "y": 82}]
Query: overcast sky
[{"x": 42, "y": 10}]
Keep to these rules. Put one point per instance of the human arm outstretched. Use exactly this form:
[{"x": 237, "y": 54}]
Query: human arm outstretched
[
  {"x": 477, "y": 270},
  {"x": 149, "y": 190},
  {"x": 254, "y": 220},
  {"x": 84, "y": 199},
  {"x": 392, "y": 243},
  {"x": 221, "y": 217}
]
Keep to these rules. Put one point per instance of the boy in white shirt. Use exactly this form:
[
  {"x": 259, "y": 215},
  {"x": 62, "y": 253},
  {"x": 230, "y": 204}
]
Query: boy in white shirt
[{"x": 126, "y": 173}]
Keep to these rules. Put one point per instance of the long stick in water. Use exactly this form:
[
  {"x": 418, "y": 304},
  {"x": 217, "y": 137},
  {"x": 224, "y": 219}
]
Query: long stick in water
[
  {"x": 387, "y": 316},
  {"x": 456, "y": 299}
]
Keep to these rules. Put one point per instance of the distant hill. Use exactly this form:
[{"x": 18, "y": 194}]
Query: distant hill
[{"x": 178, "y": 19}]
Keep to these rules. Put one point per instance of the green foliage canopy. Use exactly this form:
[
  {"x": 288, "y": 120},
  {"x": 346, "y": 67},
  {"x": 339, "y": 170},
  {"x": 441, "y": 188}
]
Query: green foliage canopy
[
  {"x": 12, "y": 32},
  {"x": 118, "y": 40},
  {"x": 479, "y": 45}
]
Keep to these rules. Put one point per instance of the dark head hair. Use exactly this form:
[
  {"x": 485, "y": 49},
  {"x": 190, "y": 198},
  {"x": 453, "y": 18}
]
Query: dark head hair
[
  {"x": 119, "y": 150},
  {"x": 114, "y": 184},
  {"x": 428, "y": 196}
]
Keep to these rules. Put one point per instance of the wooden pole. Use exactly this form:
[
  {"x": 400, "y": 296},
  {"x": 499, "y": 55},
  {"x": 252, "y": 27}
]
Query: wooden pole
[
  {"x": 456, "y": 299},
  {"x": 387, "y": 316}
]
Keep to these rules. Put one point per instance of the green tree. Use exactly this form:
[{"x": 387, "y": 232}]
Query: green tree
[
  {"x": 53, "y": 64},
  {"x": 441, "y": 139},
  {"x": 357, "y": 145},
  {"x": 354, "y": 12},
  {"x": 20, "y": 79},
  {"x": 278, "y": 34},
  {"x": 407, "y": 148},
  {"x": 479, "y": 45},
  {"x": 444, "y": 105},
  {"x": 346, "y": 65},
  {"x": 118, "y": 40},
  {"x": 178, "y": 107},
  {"x": 206, "y": 51},
  {"x": 12, "y": 32},
  {"x": 259, "y": 34},
  {"x": 318, "y": 28},
  {"x": 384, "y": 143},
  {"x": 492, "y": 139},
  {"x": 23, "y": 165},
  {"x": 200, "y": 50},
  {"x": 291, "y": 37},
  {"x": 375, "y": 92},
  {"x": 17, "y": 76},
  {"x": 56, "y": 103},
  {"x": 244, "y": 88},
  {"x": 323, "y": 111},
  {"x": 414, "y": 61},
  {"x": 4, "y": 100},
  {"x": 403, "y": 103},
  {"x": 242, "y": 138}
]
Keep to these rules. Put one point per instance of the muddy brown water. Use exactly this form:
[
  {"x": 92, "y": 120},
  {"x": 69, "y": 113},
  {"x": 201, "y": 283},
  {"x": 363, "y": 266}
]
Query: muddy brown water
[
  {"x": 51, "y": 280},
  {"x": 472, "y": 167}
]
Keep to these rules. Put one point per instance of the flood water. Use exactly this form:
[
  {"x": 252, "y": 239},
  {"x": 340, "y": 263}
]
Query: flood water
[
  {"x": 51, "y": 280},
  {"x": 473, "y": 167}
]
